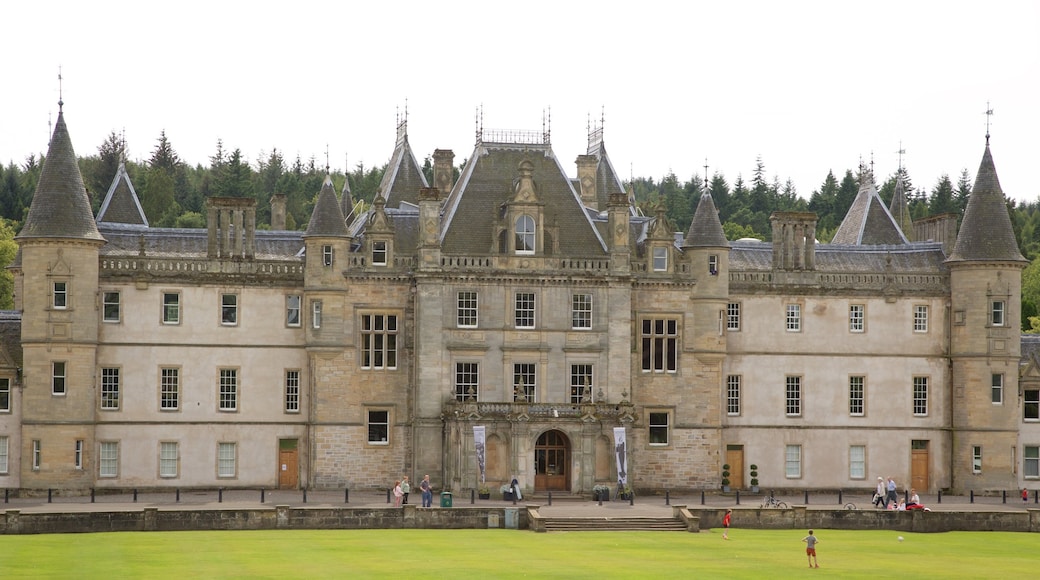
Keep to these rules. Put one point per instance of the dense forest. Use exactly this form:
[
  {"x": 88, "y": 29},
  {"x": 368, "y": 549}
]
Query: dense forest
[{"x": 172, "y": 194}]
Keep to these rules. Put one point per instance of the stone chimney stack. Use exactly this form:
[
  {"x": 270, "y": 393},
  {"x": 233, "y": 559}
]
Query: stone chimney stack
[
  {"x": 278, "y": 211},
  {"x": 443, "y": 170},
  {"x": 794, "y": 240},
  {"x": 587, "y": 178},
  {"x": 231, "y": 222}
]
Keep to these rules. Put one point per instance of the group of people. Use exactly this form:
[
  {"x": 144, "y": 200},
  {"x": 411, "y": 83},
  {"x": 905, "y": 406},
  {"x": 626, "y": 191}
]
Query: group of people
[
  {"x": 402, "y": 488},
  {"x": 885, "y": 497}
]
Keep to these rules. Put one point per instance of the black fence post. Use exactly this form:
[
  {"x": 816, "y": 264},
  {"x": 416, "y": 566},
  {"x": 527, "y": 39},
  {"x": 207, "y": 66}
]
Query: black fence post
[
  {"x": 738, "y": 497},
  {"x": 1003, "y": 496},
  {"x": 472, "y": 496},
  {"x": 220, "y": 495},
  {"x": 387, "y": 495},
  {"x": 806, "y": 497},
  {"x": 135, "y": 495},
  {"x": 667, "y": 498},
  {"x": 702, "y": 497},
  {"x": 346, "y": 495},
  {"x": 1036, "y": 496},
  {"x": 92, "y": 495},
  {"x": 550, "y": 498},
  {"x": 49, "y": 492},
  {"x": 178, "y": 499},
  {"x": 938, "y": 498},
  {"x": 906, "y": 496},
  {"x": 971, "y": 494},
  {"x": 7, "y": 495},
  {"x": 839, "y": 497},
  {"x": 632, "y": 498},
  {"x": 262, "y": 490},
  {"x": 305, "y": 495}
]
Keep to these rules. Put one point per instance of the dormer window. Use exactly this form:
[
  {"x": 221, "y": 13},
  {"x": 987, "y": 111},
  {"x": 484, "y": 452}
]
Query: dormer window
[
  {"x": 326, "y": 256},
  {"x": 525, "y": 235},
  {"x": 713, "y": 265},
  {"x": 378, "y": 253},
  {"x": 660, "y": 259}
]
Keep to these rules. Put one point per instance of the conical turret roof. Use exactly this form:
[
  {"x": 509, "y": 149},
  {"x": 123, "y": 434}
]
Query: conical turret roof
[
  {"x": 868, "y": 221},
  {"x": 986, "y": 232},
  {"x": 327, "y": 217},
  {"x": 121, "y": 204},
  {"x": 60, "y": 207},
  {"x": 900, "y": 209},
  {"x": 706, "y": 229}
]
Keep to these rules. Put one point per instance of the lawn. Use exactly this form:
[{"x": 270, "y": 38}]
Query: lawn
[{"x": 515, "y": 554}]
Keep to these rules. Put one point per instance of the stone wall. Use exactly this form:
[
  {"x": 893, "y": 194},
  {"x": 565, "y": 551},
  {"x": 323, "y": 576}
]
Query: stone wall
[{"x": 905, "y": 521}]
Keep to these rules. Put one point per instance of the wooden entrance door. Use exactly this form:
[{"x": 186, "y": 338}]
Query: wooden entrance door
[
  {"x": 551, "y": 460},
  {"x": 735, "y": 459},
  {"x": 919, "y": 465},
  {"x": 288, "y": 464}
]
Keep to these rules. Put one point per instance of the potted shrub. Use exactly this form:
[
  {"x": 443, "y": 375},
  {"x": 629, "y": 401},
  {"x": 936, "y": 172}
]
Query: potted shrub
[
  {"x": 483, "y": 492},
  {"x": 601, "y": 492},
  {"x": 626, "y": 492},
  {"x": 754, "y": 478},
  {"x": 725, "y": 477}
]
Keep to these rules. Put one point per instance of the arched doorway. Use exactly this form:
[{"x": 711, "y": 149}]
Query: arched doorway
[{"x": 552, "y": 462}]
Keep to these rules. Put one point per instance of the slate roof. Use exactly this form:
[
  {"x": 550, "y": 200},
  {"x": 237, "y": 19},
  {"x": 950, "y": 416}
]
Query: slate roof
[
  {"x": 60, "y": 207},
  {"x": 920, "y": 257},
  {"x": 607, "y": 181},
  {"x": 986, "y": 232},
  {"x": 121, "y": 204},
  {"x": 900, "y": 209},
  {"x": 191, "y": 243},
  {"x": 868, "y": 221},
  {"x": 327, "y": 216},
  {"x": 706, "y": 228},
  {"x": 11, "y": 338},
  {"x": 403, "y": 177}
]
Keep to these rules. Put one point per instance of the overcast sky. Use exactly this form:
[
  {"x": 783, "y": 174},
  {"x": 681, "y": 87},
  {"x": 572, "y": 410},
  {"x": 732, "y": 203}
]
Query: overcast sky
[{"x": 808, "y": 86}]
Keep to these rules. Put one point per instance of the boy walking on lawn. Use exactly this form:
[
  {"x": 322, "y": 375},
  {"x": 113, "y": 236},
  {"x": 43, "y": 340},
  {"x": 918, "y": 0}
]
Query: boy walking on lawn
[
  {"x": 810, "y": 549},
  {"x": 725, "y": 524}
]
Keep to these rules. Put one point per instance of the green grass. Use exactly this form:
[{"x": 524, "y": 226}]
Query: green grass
[{"x": 515, "y": 554}]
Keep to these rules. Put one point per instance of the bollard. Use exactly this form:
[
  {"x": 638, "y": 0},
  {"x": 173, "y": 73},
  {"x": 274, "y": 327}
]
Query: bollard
[
  {"x": 632, "y": 498},
  {"x": 220, "y": 495},
  {"x": 514, "y": 498},
  {"x": 738, "y": 497},
  {"x": 702, "y": 497},
  {"x": 7, "y": 495},
  {"x": 550, "y": 498},
  {"x": 178, "y": 500},
  {"x": 667, "y": 498},
  {"x": 262, "y": 495},
  {"x": 346, "y": 495},
  {"x": 839, "y": 497},
  {"x": 1003, "y": 496},
  {"x": 305, "y": 495},
  {"x": 472, "y": 496},
  {"x": 135, "y": 495},
  {"x": 938, "y": 498},
  {"x": 971, "y": 494},
  {"x": 806, "y": 497},
  {"x": 92, "y": 495},
  {"x": 906, "y": 496},
  {"x": 1036, "y": 496},
  {"x": 599, "y": 497},
  {"x": 388, "y": 495},
  {"x": 49, "y": 490}
]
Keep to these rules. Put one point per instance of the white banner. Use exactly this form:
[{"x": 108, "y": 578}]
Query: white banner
[
  {"x": 620, "y": 455},
  {"x": 478, "y": 443}
]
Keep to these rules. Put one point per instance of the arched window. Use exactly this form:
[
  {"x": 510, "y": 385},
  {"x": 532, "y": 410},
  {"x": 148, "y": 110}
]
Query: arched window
[{"x": 524, "y": 235}]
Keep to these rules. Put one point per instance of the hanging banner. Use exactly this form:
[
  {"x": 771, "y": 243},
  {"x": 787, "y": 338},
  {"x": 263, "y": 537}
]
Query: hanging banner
[
  {"x": 622, "y": 459},
  {"x": 478, "y": 443}
]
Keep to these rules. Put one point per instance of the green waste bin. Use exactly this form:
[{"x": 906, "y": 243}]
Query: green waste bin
[{"x": 445, "y": 499}]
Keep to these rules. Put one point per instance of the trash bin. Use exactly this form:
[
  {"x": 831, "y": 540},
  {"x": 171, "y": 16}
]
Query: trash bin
[{"x": 445, "y": 499}]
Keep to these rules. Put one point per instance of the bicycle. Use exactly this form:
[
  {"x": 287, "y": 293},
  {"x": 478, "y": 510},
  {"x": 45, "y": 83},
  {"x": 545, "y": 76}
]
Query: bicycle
[{"x": 772, "y": 502}]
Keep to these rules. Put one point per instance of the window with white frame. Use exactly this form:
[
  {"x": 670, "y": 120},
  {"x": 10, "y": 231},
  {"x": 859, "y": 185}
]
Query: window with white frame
[
  {"x": 1031, "y": 461},
  {"x": 857, "y": 462},
  {"x": 229, "y": 309},
  {"x": 466, "y": 309},
  {"x": 378, "y": 427},
  {"x": 997, "y": 389},
  {"x": 109, "y": 388},
  {"x": 713, "y": 264},
  {"x": 379, "y": 341},
  {"x": 110, "y": 307},
  {"x": 581, "y": 383},
  {"x": 379, "y": 253},
  {"x": 168, "y": 459},
  {"x": 1031, "y": 404},
  {"x": 793, "y": 407},
  {"x": 976, "y": 459},
  {"x": 228, "y": 390},
  {"x": 61, "y": 295},
  {"x": 5, "y": 395},
  {"x": 227, "y": 459},
  {"x": 660, "y": 258},
  {"x": 733, "y": 317},
  {"x": 292, "y": 310},
  {"x": 793, "y": 461},
  {"x": 316, "y": 314},
  {"x": 920, "y": 318},
  {"x": 58, "y": 378},
  {"x": 78, "y": 457},
  {"x": 37, "y": 454},
  {"x": 920, "y": 396},
  {"x": 856, "y": 317},
  {"x": 525, "y": 235},
  {"x": 108, "y": 459},
  {"x": 524, "y": 382},
  {"x": 4, "y": 454},
  {"x": 997, "y": 313},
  {"x": 658, "y": 425},
  {"x": 466, "y": 381},
  {"x": 660, "y": 344},
  {"x": 857, "y": 395},
  {"x": 169, "y": 388},
  {"x": 292, "y": 391},
  {"x": 523, "y": 312},
  {"x": 581, "y": 311},
  {"x": 733, "y": 395},
  {"x": 794, "y": 318},
  {"x": 326, "y": 255},
  {"x": 171, "y": 313}
]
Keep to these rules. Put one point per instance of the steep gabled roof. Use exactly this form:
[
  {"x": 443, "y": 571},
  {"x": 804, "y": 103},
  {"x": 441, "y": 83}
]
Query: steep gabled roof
[
  {"x": 868, "y": 221},
  {"x": 900, "y": 209},
  {"x": 403, "y": 177},
  {"x": 327, "y": 217},
  {"x": 607, "y": 181},
  {"x": 346, "y": 200},
  {"x": 60, "y": 207},
  {"x": 706, "y": 228},
  {"x": 986, "y": 232},
  {"x": 121, "y": 204}
]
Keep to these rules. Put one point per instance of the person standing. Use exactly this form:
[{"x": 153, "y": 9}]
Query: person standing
[
  {"x": 1025, "y": 494},
  {"x": 405, "y": 489},
  {"x": 398, "y": 494},
  {"x": 891, "y": 497},
  {"x": 810, "y": 549},
  {"x": 879, "y": 493},
  {"x": 725, "y": 524},
  {"x": 427, "y": 491}
]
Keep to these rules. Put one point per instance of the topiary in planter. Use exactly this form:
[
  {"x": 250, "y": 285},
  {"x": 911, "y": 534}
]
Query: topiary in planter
[
  {"x": 725, "y": 477},
  {"x": 754, "y": 477}
]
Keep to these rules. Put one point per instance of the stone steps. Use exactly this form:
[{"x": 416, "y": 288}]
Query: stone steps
[{"x": 604, "y": 524}]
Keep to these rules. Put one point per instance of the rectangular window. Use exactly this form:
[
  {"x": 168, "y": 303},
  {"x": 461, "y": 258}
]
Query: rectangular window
[
  {"x": 920, "y": 318},
  {"x": 524, "y": 310},
  {"x": 379, "y": 341},
  {"x": 660, "y": 259},
  {"x": 581, "y": 384},
  {"x": 1031, "y": 461},
  {"x": 37, "y": 455},
  {"x": 169, "y": 389},
  {"x": 109, "y": 388},
  {"x": 466, "y": 377},
  {"x": 997, "y": 389},
  {"x": 227, "y": 463},
  {"x": 61, "y": 295},
  {"x": 168, "y": 459},
  {"x": 466, "y": 309},
  {"x": 733, "y": 317},
  {"x": 378, "y": 427},
  {"x": 856, "y": 317},
  {"x": 581, "y": 311},
  {"x": 1031, "y": 404},
  {"x": 58, "y": 378},
  {"x": 857, "y": 462},
  {"x": 997, "y": 313},
  {"x": 292, "y": 391},
  {"x": 326, "y": 256},
  {"x": 110, "y": 307},
  {"x": 524, "y": 386},
  {"x": 794, "y": 318},
  {"x": 713, "y": 265},
  {"x": 228, "y": 395},
  {"x": 920, "y": 396},
  {"x": 856, "y": 396},
  {"x": 794, "y": 396},
  {"x": 378, "y": 253},
  {"x": 5, "y": 395},
  {"x": 108, "y": 459},
  {"x": 660, "y": 343},
  {"x": 976, "y": 459},
  {"x": 4, "y": 454},
  {"x": 733, "y": 395},
  {"x": 793, "y": 461},
  {"x": 316, "y": 314},
  {"x": 658, "y": 428},
  {"x": 171, "y": 308},
  {"x": 292, "y": 310},
  {"x": 79, "y": 454},
  {"x": 229, "y": 309}
]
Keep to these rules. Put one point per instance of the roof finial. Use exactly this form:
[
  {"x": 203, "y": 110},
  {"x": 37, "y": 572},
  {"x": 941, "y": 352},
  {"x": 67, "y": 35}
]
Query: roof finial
[
  {"x": 901, "y": 152},
  {"x": 872, "y": 165},
  {"x": 705, "y": 174},
  {"x": 122, "y": 148},
  {"x": 989, "y": 113},
  {"x": 326, "y": 157},
  {"x": 60, "y": 101}
]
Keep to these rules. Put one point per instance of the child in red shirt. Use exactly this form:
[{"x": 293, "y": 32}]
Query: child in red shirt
[{"x": 725, "y": 524}]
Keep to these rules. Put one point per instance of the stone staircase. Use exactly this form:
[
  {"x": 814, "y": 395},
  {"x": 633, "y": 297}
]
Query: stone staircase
[{"x": 607, "y": 524}]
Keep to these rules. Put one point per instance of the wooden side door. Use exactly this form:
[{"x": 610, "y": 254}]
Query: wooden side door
[
  {"x": 551, "y": 462},
  {"x": 735, "y": 459},
  {"x": 288, "y": 464},
  {"x": 919, "y": 465}
]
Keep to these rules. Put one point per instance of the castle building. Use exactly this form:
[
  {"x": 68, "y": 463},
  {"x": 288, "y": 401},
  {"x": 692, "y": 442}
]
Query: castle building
[{"x": 512, "y": 323}]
